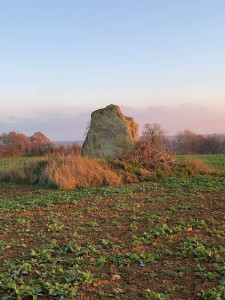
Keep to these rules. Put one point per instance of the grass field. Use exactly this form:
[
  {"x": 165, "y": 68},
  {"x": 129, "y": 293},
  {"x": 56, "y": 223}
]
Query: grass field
[
  {"x": 159, "y": 240},
  {"x": 6, "y": 163},
  {"x": 215, "y": 160}
]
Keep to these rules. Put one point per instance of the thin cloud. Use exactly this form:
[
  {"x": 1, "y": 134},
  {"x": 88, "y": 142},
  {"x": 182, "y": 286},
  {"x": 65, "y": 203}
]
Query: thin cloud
[
  {"x": 56, "y": 127},
  {"x": 69, "y": 123},
  {"x": 200, "y": 119}
]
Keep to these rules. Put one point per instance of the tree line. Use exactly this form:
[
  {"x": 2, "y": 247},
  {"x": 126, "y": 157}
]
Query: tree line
[
  {"x": 185, "y": 142},
  {"x": 14, "y": 144}
]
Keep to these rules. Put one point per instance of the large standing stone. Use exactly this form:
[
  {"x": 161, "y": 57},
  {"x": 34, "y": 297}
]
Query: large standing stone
[{"x": 111, "y": 134}]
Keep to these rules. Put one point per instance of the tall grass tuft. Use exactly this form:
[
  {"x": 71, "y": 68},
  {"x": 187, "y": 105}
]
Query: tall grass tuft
[
  {"x": 198, "y": 166},
  {"x": 76, "y": 171}
]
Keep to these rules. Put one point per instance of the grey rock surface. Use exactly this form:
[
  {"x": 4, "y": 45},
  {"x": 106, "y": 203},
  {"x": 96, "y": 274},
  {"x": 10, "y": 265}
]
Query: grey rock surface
[{"x": 111, "y": 134}]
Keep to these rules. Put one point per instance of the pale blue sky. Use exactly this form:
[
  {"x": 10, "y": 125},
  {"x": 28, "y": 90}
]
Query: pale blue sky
[{"x": 61, "y": 59}]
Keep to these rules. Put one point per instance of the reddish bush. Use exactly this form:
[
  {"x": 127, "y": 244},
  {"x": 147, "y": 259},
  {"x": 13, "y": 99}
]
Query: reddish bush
[
  {"x": 63, "y": 150},
  {"x": 40, "y": 144},
  {"x": 148, "y": 155},
  {"x": 14, "y": 144}
]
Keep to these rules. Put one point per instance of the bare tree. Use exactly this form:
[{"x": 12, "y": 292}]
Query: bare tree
[
  {"x": 156, "y": 134},
  {"x": 187, "y": 142},
  {"x": 214, "y": 144}
]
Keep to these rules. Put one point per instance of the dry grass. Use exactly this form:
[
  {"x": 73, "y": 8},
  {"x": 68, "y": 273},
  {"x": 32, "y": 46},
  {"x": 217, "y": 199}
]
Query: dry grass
[
  {"x": 76, "y": 171},
  {"x": 64, "y": 172},
  {"x": 29, "y": 173},
  {"x": 198, "y": 166}
]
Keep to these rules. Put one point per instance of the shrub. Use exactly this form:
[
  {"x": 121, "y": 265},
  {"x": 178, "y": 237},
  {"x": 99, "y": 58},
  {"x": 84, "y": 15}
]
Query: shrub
[
  {"x": 149, "y": 156},
  {"x": 63, "y": 150}
]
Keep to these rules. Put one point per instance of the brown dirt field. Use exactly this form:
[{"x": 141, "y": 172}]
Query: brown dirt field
[{"x": 119, "y": 218}]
